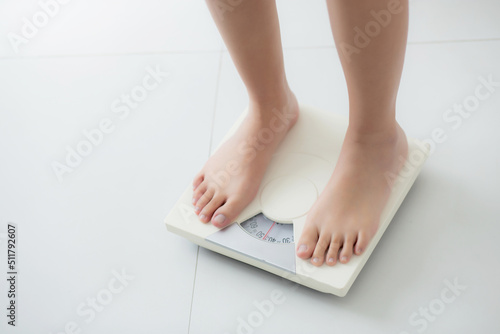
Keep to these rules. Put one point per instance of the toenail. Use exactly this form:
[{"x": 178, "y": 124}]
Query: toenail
[
  {"x": 360, "y": 250},
  {"x": 203, "y": 217},
  {"x": 330, "y": 260},
  {"x": 193, "y": 201},
  {"x": 196, "y": 208},
  {"x": 315, "y": 260},
  {"x": 344, "y": 258},
  {"x": 302, "y": 248},
  {"x": 219, "y": 219}
]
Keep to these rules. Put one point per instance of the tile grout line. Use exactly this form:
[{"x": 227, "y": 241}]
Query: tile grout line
[
  {"x": 477, "y": 40},
  {"x": 151, "y": 53},
  {"x": 110, "y": 54},
  {"x": 194, "y": 283},
  {"x": 215, "y": 101},
  {"x": 209, "y": 150}
]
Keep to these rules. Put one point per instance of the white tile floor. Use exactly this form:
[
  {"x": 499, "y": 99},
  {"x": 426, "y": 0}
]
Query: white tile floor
[{"x": 106, "y": 216}]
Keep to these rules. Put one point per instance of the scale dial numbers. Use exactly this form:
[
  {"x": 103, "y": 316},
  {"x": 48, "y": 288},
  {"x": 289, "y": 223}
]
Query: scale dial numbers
[{"x": 262, "y": 228}]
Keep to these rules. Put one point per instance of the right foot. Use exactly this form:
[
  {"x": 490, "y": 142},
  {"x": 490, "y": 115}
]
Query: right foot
[{"x": 231, "y": 177}]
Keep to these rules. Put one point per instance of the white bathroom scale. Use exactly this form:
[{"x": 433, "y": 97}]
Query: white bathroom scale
[{"x": 264, "y": 234}]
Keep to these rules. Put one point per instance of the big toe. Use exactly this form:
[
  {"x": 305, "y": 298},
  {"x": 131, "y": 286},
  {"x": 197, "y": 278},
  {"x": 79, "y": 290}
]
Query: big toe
[
  {"x": 227, "y": 212},
  {"x": 307, "y": 241}
]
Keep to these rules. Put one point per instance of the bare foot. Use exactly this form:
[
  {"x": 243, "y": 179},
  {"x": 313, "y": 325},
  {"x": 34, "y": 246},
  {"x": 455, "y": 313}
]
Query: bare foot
[
  {"x": 231, "y": 177},
  {"x": 347, "y": 213}
]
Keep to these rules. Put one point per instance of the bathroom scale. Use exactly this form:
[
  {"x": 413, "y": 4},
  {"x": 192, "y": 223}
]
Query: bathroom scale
[{"x": 265, "y": 232}]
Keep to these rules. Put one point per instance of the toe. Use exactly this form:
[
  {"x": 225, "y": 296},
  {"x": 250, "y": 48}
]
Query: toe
[
  {"x": 320, "y": 249},
  {"x": 214, "y": 204},
  {"x": 361, "y": 242},
  {"x": 333, "y": 250},
  {"x": 198, "y": 179},
  {"x": 198, "y": 192},
  {"x": 307, "y": 241},
  {"x": 228, "y": 212},
  {"x": 200, "y": 204},
  {"x": 346, "y": 253}
]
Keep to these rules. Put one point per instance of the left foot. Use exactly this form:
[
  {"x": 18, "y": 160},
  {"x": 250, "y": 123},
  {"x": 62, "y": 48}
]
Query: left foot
[{"x": 347, "y": 214}]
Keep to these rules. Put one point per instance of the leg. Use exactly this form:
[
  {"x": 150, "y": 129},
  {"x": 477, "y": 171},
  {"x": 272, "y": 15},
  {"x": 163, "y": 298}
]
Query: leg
[
  {"x": 347, "y": 213},
  {"x": 231, "y": 177}
]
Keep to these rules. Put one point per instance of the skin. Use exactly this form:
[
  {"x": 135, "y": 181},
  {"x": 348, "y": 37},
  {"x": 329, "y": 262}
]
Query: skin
[
  {"x": 347, "y": 213},
  {"x": 251, "y": 33}
]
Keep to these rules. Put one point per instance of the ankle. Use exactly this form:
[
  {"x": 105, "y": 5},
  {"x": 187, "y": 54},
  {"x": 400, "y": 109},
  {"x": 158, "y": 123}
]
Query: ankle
[
  {"x": 389, "y": 132},
  {"x": 280, "y": 97},
  {"x": 266, "y": 110}
]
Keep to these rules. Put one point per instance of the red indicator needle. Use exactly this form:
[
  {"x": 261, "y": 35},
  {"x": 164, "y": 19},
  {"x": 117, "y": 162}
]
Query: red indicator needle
[{"x": 269, "y": 231}]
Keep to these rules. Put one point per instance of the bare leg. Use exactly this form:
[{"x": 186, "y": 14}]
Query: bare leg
[
  {"x": 231, "y": 177},
  {"x": 347, "y": 213}
]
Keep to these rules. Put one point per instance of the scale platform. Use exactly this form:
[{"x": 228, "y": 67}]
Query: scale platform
[{"x": 263, "y": 234}]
